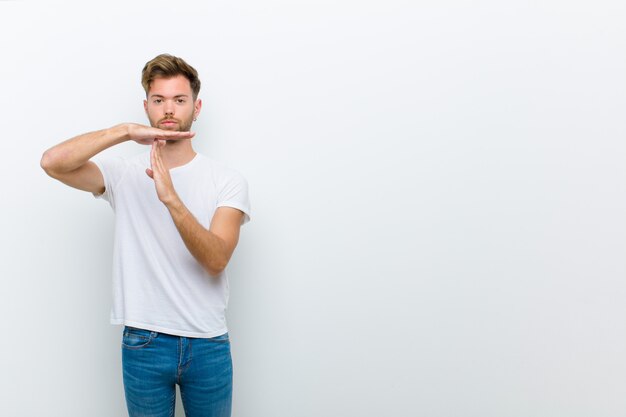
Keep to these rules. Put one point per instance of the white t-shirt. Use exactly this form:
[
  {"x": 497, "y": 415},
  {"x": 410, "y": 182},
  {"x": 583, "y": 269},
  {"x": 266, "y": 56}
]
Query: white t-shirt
[{"x": 157, "y": 284}]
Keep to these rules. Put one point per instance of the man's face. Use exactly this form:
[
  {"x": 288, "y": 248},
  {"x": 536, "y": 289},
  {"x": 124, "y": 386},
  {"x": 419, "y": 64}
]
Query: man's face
[{"x": 170, "y": 104}]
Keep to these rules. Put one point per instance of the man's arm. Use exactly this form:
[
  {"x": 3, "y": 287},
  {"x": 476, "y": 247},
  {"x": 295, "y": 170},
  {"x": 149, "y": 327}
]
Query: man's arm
[
  {"x": 212, "y": 248},
  {"x": 69, "y": 162}
]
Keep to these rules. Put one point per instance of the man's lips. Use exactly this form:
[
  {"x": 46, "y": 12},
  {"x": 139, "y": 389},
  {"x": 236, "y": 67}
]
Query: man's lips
[{"x": 168, "y": 122}]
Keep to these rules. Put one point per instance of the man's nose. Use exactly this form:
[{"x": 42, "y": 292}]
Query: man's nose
[{"x": 169, "y": 107}]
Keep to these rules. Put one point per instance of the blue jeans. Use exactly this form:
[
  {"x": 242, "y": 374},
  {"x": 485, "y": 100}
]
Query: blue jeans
[{"x": 153, "y": 363}]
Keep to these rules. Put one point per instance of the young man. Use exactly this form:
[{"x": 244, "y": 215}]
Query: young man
[{"x": 177, "y": 221}]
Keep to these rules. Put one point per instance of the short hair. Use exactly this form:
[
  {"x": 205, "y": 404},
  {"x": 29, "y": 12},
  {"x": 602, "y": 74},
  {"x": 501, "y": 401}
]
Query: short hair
[{"x": 167, "y": 66}]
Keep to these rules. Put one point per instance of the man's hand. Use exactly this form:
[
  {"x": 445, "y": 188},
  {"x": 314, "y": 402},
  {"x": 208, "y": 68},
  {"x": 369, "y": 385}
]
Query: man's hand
[
  {"x": 160, "y": 174},
  {"x": 146, "y": 135}
]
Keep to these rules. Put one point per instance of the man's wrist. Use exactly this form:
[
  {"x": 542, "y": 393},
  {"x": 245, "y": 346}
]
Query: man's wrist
[
  {"x": 174, "y": 204},
  {"x": 120, "y": 133}
]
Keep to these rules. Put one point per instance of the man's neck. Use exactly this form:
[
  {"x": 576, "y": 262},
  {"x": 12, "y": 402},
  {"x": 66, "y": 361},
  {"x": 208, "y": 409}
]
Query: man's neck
[{"x": 177, "y": 153}]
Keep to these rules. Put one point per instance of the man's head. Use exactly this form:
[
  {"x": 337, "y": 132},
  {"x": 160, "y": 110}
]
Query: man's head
[
  {"x": 172, "y": 88},
  {"x": 168, "y": 66}
]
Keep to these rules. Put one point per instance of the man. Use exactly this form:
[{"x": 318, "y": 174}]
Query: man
[{"x": 177, "y": 221}]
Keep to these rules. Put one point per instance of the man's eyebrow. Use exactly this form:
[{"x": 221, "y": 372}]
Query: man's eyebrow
[{"x": 176, "y": 96}]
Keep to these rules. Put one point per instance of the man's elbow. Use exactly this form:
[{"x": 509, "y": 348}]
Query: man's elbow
[
  {"x": 215, "y": 271},
  {"x": 216, "y": 267},
  {"x": 49, "y": 163}
]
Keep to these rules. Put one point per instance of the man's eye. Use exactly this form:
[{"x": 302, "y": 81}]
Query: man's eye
[
  {"x": 157, "y": 101},
  {"x": 180, "y": 101}
]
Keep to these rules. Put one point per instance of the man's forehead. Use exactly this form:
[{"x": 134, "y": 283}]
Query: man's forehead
[{"x": 177, "y": 86}]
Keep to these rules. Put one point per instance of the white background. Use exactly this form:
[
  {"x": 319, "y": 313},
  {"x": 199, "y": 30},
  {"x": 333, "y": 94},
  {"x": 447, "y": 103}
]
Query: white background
[{"x": 438, "y": 198}]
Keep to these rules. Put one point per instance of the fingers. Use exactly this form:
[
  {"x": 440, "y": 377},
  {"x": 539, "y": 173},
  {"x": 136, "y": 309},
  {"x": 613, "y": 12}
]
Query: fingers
[
  {"x": 158, "y": 145},
  {"x": 172, "y": 135},
  {"x": 159, "y": 173},
  {"x": 152, "y": 150},
  {"x": 145, "y": 135},
  {"x": 155, "y": 157}
]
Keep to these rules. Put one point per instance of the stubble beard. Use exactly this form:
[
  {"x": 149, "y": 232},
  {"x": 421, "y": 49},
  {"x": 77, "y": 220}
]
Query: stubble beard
[{"x": 182, "y": 125}]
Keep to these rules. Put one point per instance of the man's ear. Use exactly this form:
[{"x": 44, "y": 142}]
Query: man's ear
[
  {"x": 197, "y": 107},
  {"x": 145, "y": 106}
]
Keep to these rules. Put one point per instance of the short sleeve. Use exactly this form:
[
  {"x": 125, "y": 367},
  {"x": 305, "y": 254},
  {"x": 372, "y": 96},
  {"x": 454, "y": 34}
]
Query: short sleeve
[
  {"x": 233, "y": 192},
  {"x": 112, "y": 169}
]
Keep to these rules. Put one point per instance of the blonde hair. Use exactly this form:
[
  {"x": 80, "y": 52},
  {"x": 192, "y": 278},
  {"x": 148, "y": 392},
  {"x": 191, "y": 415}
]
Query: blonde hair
[{"x": 167, "y": 66}]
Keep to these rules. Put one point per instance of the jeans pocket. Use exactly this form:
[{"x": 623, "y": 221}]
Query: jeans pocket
[{"x": 134, "y": 338}]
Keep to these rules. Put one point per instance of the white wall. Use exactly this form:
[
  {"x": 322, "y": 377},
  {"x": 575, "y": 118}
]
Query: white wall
[{"x": 438, "y": 193}]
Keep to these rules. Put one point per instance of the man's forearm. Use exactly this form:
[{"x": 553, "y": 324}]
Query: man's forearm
[
  {"x": 73, "y": 153},
  {"x": 208, "y": 248}
]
